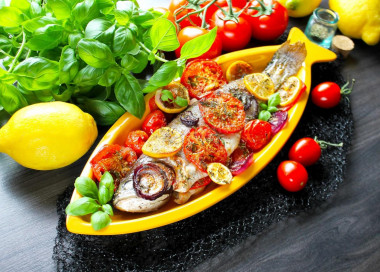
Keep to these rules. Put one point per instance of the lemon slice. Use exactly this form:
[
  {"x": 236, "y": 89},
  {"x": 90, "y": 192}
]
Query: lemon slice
[
  {"x": 219, "y": 173},
  {"x": 238, "y": 69},
  {"x": 260, "y": 85},
  {"x": 164, "y": 142},
  {"x": 178, "y": 98},
  {"x": 290, "y": 90}
]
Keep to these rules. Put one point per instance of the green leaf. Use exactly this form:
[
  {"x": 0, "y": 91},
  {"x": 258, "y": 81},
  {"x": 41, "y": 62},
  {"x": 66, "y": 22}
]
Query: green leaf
[
  {"x": 143, "y": 17},
  {"x": 166, "y": 95},
  {"x": 95, "y": 53},
  {"x": 60, "y": 8},
  {"x": 10, "y": 17},
  {"x": 38, "y": 22},
  {"x": 123, "y": 41},
  {"x": 105, "y": 6},
  {"x": 5, "y": 45},
  {"x": 142, "y": 58},
  {"x": 105, "y": 113},
  {"x": 107, "y": 208},
  {"x": 46, "y": 37},
  {"x": 163, "y": 35},
  {"x": 123, "y": 11},
  {"x": 106, "y": 188},
  {"x": 65, "y": 95},
  {"x": 22, "y": 5},
  {"x": 128, "y": 93},
  {"x": 74, "y": 38},
  {"x": 36, "y": 10},
  {"x": 37, "y": 73},
  {"x": 274, "y": 100},
  {"x": 85, "y": 11},
  {"x": 110, "y": 76},
  {"x": 272, "y": 109},
  {"x": 51, "y": 54},
  {"x": 101, "y": 30},
  {"x": 264, "y": 115},
  {"x": 68, "y": 65},
  {"x": 44, "y": 95},
  {"x": 263, "y": 106},
  {"x": 88, "y": 76},
  {"x": 82, "y": 206},
  {"x": 11, "y": 99},
  {"x": 100, "y": 220},
  {"x": 182, "y": 102},
  {"x": 199, "y": 45},
  {"x": 164, "y": 75},
  {"x": 129, "y": 62},
  {"x": 86, "y": 187}
]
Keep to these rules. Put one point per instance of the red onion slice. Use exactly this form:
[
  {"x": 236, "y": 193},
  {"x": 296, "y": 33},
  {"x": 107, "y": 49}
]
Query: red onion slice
[
  {"x": 239, "y": 166},
  {"x": 278, "y": 121}
]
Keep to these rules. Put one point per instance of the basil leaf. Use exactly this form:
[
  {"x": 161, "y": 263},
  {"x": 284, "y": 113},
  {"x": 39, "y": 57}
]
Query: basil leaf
[
  {"x": 123, "y": 11},
  {"x": 128, "y": 93},
  {"x": 272, "y": 109},
  {"x": 10, "y": 17},
  {"x": 37, "y": 73},
  {"x": 164, "y": 36},
  {"x": 105, "y": 6},
  {"x": 35, "y": 23},
  {"x": 68, "y": 65},
  {"x": 85, "y": 11},
  {"x": 46, "y": 37},
  {"x": 199, "y": 45},
  {"x": 22, "y": 5},
  {"x": 264, "y": 115},
  {"x": 5, "y": 45},
  {"x": 263, "y": 106},
  {"x": 123, "y": 41},
  {"x": 107, "y": 208},
  {"x": 105, "y": 113},
  {"x": 106, "y": 188},
  {"x": 86, "y": 187},
  {"x": 143, "y": 17},
  {"x": 88, "y": 76},
  {"x": 11, "y": 99},
  {"x": 65, "y": 95},
  {"x": 164, "y": 75},
  {"x": 110, "y": 76},
  {"x": 129, "y": 62},
  {"x": 95, "y": 53},
  {"x": 36, "y": 10},
  {"x": 182, "y": 102},
  {"x": 74, "y": 38},
  {"x": 166, "y": 95},
  {"x": 101, "y": 30},
  {"x": 274, "y": 100},
  {"x": 44, "y": 95},
  {"x": 82, "y": 206},
  {"x": 100, "y": 220},
  {"x": 60, "y": 8},
  {"x": 51, "y": 54},
  {"x": 142, "y": 58}
]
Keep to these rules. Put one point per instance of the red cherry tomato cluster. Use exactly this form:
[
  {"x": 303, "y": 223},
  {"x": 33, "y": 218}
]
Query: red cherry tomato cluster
[
  {"x": 292, "y": 174},
  {"x": 259, "y": 19}
]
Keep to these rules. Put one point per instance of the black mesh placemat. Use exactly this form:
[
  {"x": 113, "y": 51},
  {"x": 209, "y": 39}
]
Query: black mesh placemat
[{"x": 183, "y": 245}]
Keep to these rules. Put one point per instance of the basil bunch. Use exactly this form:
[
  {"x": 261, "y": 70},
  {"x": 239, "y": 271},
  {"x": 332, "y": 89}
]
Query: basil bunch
[
  {"x": 90, "y": 53},
  {"x": 94, "y": 200}
]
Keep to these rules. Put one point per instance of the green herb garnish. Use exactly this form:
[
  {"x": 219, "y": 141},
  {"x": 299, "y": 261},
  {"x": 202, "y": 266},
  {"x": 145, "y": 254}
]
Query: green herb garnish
[{"x": 266, "y": 110}]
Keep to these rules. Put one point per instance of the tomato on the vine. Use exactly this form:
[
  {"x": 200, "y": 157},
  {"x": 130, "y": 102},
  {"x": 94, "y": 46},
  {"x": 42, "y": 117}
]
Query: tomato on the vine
[
  {"x": 176, "y": 9},
  {"x": 234, "y": 35},
  {"x": 190, "y": 32},
  {"x": 292, "y": 176},
  {"x": 268, "y": 19},
  {"x": 222, "y": 3},
  {"x": 154, "y": 120},
  {"x": 305, "y": 151}
]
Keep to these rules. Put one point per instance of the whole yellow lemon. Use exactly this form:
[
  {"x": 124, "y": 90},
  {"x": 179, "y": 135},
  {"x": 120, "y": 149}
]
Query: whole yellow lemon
[
  {"x": 359, "y": 19},
  {"x": 48, "y": 136},
  {"x": 300, "y": 8}
]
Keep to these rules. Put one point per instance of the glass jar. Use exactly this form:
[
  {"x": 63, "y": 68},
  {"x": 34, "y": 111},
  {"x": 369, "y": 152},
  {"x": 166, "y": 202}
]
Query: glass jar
[{"x": 322, "y": 26}]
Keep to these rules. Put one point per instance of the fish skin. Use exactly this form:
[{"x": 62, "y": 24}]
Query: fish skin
[{"x": 126, "y": 198}]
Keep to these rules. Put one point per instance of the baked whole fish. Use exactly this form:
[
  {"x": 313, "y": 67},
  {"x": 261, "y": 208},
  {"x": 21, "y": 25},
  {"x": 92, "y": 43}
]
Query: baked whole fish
[{"x": 176, "y": 174}]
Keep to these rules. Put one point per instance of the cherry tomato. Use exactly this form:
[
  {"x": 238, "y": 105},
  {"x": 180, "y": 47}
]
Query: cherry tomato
[
  {"x": 135, "y": 140},
  {"x": 152, "y": 104},
  {"x": 175, "y": 7},
  {"x": 234, "y": 35},
  {"x": 256, "y": 134},
  {"x": 305, "y": 151},
  {"x": 203, "y": 146},
  {"x": 223, "y": 112},
  {"x": 223, "y": 3},
  {"x": 169, "y": 14},
  {"x": 326, "y": 95},
  {"x": 292, "y": 176},
  {"x": 271, "y": 24},
  {"x": 153, "y": 121},
  {"x": 202, "y": 77},
  {"x": 189, "y": 33}
]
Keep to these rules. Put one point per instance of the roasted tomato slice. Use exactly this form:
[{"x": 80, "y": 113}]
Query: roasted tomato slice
[
  {"x": 202, "y": 146},
  {"x": 135, "y": 140},
  {"x": 201, "y": 183},
  {"x": 201, "y": 77},
  {"x": 223, "y": 112},
  {"x": 256, "y": 134}
]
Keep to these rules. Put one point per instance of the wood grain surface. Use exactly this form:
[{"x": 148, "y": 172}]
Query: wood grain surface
[{"x": 341, "y": 235}]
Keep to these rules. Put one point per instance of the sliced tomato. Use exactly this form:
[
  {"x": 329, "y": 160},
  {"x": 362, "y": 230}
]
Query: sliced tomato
[
  {"x": 203, "y": 146},
  {"x": 202, "y": 77},
  {"x": 136, "y": 139},
  {"x": 223, "y": 112},
  {"x": 256, "y": 134},
  {"x": 201, "y": 183},
  {"x": 107, "y": 151}
]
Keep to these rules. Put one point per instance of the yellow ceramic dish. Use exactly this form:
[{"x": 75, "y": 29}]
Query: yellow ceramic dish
[{"x": 123, "y": 222}]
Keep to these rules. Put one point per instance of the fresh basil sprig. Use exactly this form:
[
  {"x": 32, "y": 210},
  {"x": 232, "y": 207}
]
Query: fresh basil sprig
[
  {"x": 168, "y": 96},
  {"x": 94, "y": 200},
  {"x": 266, "y": 110}
]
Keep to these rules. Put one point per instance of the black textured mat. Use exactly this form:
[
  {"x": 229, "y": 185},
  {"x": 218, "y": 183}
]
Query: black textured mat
[{"x": 183, "y": 245}]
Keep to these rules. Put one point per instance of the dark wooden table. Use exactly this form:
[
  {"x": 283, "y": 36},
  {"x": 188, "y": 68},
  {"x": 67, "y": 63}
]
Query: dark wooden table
[{"x": 341, "y": 235}]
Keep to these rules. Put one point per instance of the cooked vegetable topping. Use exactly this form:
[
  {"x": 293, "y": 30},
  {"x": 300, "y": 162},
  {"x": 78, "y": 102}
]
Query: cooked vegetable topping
[
  {"x": 164, "y": 142},
  {"x": 172, "y": 98},
  {"x": 238, "y": 69},
  {"x": 219, "y": 173},
  {"x": 260, "y": 85},
  {"x": 290, "y": 90}
]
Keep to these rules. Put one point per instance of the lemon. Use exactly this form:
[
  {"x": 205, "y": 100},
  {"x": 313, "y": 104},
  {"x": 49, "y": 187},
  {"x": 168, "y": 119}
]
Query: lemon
[
  {"x": 47, "y": 136},
  {"x": 300, "y": 8},
  {"x": 164, "y": 142},
  {"x": 359, "y": 19},
  {"x": 260, "y": 85}
]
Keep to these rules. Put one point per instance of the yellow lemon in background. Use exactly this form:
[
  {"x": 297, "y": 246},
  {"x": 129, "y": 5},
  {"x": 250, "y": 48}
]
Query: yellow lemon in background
[
  {"x": 300, "y": 8},
  {"x": 359, "y": 19},
  {"x": 48, "y": 136}
]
